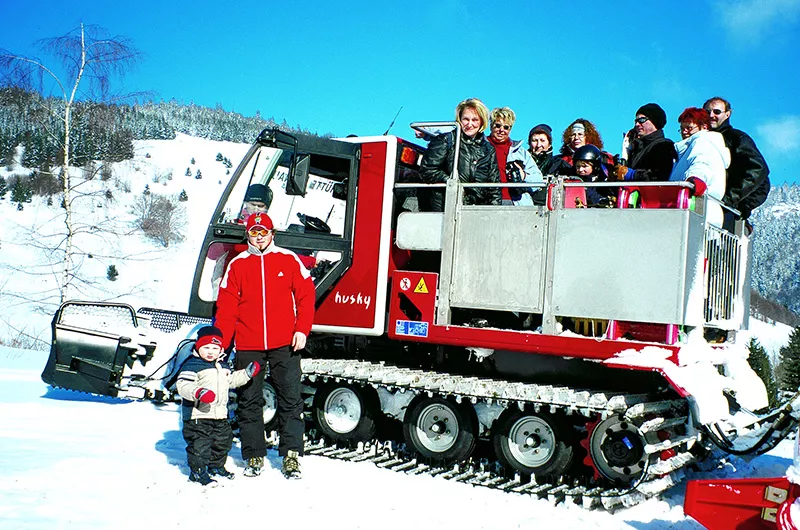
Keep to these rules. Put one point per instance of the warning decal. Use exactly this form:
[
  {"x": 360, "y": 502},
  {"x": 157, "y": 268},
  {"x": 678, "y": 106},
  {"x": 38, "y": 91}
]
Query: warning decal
[{"x": 421, "y": 287}]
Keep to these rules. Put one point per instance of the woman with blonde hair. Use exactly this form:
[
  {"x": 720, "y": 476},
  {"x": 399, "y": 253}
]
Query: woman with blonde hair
[
  {"x": 477, "y": 161},
  {"x": 513, "y": 160}
]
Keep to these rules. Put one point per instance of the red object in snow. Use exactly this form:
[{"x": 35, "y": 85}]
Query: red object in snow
[{"x": 741, "y": 504}]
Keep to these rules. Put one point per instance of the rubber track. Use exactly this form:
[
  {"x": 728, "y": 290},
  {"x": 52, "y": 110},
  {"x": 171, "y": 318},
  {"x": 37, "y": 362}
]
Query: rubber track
[{"x": 636, "y": 408}]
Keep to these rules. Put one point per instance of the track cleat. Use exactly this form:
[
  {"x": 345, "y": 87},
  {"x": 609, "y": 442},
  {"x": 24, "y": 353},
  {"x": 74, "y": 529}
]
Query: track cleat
[
  {"x": 220, "y": 472},
  {"x": 254, "y": 466},
  {"x": 291, "y": 465},
  {"x": 202, "y": 477}
]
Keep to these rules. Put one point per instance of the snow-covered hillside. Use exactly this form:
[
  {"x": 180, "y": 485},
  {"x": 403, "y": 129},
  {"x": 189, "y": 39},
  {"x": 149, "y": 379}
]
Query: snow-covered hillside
[
  {"x": 75, "y": 461},
  {"x": 776, "y": 266},
  {"x": 149, "y": 273}
]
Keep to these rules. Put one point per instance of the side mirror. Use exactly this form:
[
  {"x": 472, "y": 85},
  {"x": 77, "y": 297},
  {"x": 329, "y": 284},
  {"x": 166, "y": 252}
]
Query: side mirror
[
  {"x": 298, "y": 178},
  {"x": 340, "y": 190}
]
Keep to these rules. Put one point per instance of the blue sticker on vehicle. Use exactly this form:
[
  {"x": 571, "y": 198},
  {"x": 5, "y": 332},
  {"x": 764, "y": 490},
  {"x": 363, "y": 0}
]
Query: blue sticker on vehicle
[{"x": 411, "y": 328}]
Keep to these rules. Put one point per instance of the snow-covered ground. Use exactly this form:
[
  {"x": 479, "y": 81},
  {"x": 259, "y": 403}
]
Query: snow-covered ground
[{"x": 71, "y": 460}]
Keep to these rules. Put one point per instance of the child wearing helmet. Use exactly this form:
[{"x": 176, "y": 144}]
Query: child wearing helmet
[{"x": 589, "y": 167}]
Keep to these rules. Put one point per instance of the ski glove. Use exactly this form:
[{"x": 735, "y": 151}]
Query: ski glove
[
  {"x": 204, "y": 395},
  {"x": 252, "y": 369},
  {"x": 622, "y": 173},
  {"x": 699, "y": 186}
]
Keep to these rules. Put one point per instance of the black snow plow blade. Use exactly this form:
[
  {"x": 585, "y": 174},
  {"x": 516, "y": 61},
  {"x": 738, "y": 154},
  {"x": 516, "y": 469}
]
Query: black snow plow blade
[{"x": 92, "y": 344}]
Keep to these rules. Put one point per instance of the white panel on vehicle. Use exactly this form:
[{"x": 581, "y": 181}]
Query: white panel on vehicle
[{"x": 420, "y": 230}]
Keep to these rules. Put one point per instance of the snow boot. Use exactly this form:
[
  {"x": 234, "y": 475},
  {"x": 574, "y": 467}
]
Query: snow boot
[
  {"x": 254, "y": 466},
  {"x": 291, "y": 465},
  {"x": 201, "y": 477},
  {"x": 220, "y": 472}
]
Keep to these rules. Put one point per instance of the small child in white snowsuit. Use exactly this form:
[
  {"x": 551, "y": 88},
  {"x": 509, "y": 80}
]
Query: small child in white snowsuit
[{"x": 203, "y": 383}]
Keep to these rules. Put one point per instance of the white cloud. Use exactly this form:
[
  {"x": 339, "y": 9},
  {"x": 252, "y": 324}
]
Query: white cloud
[
  {"x": 751, "y": 20},
  {"x": 781, "y": 135}
]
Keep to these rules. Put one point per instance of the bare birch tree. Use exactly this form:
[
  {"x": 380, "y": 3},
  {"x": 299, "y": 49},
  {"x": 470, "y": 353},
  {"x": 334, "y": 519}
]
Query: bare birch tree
[{"x": 88, "y": 60}]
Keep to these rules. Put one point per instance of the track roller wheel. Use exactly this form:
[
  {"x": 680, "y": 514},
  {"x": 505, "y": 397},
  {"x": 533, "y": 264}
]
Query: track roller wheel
[
  {"x": 533, "y": 443},
  {"x": 346, "y": 413},
  {"x": 616, "y": 450},
  {"x": 440, "y": 429},
  {"x": 270, "y": 408}
]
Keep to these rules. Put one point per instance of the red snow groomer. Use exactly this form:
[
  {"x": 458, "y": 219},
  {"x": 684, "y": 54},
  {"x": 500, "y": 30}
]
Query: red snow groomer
[
  {"x": 750, "y": 503},
  {"x": 580, "y": 354}
]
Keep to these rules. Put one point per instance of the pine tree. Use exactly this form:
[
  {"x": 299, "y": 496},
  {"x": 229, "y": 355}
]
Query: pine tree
[
  {"x": 21, "y": 192},
  {"x": 112, "y": 273},
  {"x": 183, "y": 197},
  {"x": 219, "y": 157},
  {"x": 192, "y": 160},
  {"x": 146, "y": 189},
  {"x": 790, "y": 363},
  {"x": 3, "y": 188},
  {"x": 198, "y": 175},
  {"x": 759, "y": 362},
  {"x": 188, "y": 172}
]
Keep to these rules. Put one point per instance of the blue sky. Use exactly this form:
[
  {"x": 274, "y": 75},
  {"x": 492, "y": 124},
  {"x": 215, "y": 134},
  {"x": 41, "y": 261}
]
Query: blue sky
[{"x": 347, "y": 67}]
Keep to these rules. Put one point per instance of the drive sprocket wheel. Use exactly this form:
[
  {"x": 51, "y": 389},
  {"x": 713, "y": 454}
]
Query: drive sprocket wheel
[{"x": 616, "y": 450}]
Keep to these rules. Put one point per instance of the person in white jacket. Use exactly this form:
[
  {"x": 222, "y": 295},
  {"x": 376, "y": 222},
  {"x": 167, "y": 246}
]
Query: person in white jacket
[{"x": 703, "y": 159}]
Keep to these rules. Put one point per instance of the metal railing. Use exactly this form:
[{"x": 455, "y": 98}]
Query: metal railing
[{"x": 723, "y": 253}]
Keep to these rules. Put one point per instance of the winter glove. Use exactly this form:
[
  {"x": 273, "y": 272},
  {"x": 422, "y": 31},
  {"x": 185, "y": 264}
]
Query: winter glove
[
  {"x": 204, "y": 395},
  {"x": 621, "y": 173},
  {"x": 252, "y": 369},
  {"x": 699, "y": 186}
]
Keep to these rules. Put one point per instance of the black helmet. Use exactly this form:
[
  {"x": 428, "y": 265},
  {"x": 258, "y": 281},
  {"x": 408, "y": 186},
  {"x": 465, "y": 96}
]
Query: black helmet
[{"x": 589, "y": 153}]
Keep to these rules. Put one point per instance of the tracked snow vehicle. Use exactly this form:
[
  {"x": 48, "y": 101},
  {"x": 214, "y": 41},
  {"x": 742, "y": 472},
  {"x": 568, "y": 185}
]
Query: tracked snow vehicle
[{"x": 587, "y": 348}]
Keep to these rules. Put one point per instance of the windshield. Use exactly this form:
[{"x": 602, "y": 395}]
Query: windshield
[{"x": 262, "y": 185}]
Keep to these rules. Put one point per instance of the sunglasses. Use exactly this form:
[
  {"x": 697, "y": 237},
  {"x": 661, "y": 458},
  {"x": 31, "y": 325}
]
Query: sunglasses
[
  {"x": 501, "y": 126},
  {"x": 255, "y": 232},
  {"x": 641, "y": 120},
  {"x": 715, "y": 112}
]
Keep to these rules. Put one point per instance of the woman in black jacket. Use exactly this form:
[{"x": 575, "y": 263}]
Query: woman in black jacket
[{"x": 477, "y": 161}]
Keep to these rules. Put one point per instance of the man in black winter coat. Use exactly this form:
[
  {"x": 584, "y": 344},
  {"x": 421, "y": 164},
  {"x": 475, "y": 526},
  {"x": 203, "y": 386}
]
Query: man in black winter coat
[
  {"x": 748, "y": 175},
  {"x": 650, "y": 155}
]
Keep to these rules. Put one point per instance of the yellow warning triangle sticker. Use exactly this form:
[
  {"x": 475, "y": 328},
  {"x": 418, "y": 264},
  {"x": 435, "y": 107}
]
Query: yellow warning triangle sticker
[{"x": 421, "y": 287}]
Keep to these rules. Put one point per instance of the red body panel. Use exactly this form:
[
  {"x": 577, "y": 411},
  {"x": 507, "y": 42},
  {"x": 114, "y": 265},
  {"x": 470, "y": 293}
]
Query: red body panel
[
  {"x": 351, "y": 303},
  {"x": 406, "y": 284}
]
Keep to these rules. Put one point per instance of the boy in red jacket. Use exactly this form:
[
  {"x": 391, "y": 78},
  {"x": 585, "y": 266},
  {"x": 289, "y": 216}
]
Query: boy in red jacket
[{"x": 266, "y": 307}]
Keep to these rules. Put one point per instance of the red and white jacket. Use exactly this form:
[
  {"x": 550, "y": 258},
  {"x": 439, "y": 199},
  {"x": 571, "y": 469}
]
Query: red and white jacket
[{"x": 264, "y": 298}]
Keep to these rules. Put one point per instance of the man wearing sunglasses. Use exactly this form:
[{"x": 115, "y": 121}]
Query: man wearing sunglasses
[
  {"x": 748, "y": 175},
  {"x": 651, "y": 154},
  {"x": 266, "y": 307}
]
